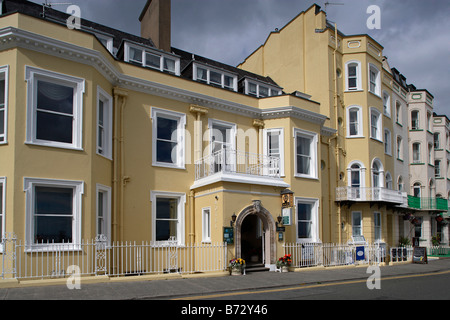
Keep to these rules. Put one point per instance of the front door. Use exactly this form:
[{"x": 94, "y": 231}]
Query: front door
[{"x": 252, "y": 240}]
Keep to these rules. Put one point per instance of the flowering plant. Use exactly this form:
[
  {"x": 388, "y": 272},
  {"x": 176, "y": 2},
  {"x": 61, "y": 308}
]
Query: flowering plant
[
  {"x": 285, "y": 261},
  {"x": 237, "y": 263}
]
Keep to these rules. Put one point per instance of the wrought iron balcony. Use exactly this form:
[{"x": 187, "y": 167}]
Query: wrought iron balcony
[
  {"x": 371, "y": 195},
  {"x": 238, "y": 166},
  {"x": 437, "y": 204}
]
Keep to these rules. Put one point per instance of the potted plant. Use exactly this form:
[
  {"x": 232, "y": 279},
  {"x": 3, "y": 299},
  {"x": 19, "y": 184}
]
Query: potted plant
[
  {"x": 284, "y": 263},
  {"x": 404, "y": 242},
  {"x": 237, "y": 266}
]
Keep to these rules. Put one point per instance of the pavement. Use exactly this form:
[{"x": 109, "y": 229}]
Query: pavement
[{"x": 145, "y": 288}]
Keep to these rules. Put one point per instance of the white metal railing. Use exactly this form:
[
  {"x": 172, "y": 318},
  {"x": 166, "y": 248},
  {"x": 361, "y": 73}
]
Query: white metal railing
[
  {"x": 371, "y": 194},
  {"x": 331, "y": 254},
  {"x": 99, "y": 257},
  {"x": 232, "y": 161}
]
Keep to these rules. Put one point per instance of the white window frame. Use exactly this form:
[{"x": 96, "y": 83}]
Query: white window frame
[
  {"x": 380, "y": 173},
  {"x": 106, "y": 150},
  {"x": 377, "y": 227},
  {"x": 378, "y": 125},
  {"x": 29, "y": 187},
  {"x": 377, "y": 80},
  {"x": 180, "y": 136},
  {"x": 162, "y": 56},
  {"x": 415, "y": 123},
  {"x": 32, "y": 76},
  {"x": 181, "y": 198},
  {"x": 419, "y": 152},
  {"x": 272, "y": 91},
  {"x": 314, "y": 236},
  {"x": 313, "y": 137},
  {"x": 206, "y": 225},
  {"x": 4, "y": 75},
  {"x": 280, "y": 132},
  {"x": 223, "y": 74},
  {"x": 359, "y": 124},
  {"x": 360, "y": 227},
  {"x": 358, "y": 76},
  {"x": 107, "y": 195},
  {"x": 387, "y": 142},
  {"x": 398, "y": 112},
  {"x": 233, "y": 135}
]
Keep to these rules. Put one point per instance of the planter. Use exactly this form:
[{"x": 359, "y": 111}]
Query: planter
[
  {"x": 236, "y": 271},
  {"x": 284, "y": 269}
]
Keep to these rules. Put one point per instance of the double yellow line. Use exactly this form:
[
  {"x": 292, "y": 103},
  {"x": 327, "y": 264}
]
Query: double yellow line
[{"x": 302, "y": 287}]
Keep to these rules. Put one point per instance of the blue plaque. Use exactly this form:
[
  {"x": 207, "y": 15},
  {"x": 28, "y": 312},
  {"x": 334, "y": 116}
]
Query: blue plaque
[{"x": 360, "y": 255}]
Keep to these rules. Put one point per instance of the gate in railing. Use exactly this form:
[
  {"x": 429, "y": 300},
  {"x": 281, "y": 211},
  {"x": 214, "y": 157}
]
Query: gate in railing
[{"x": 99, "y": 257}]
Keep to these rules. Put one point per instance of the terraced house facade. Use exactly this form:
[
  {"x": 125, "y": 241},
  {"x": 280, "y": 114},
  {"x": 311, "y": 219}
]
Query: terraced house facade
[{"x": 112, "y": 134}]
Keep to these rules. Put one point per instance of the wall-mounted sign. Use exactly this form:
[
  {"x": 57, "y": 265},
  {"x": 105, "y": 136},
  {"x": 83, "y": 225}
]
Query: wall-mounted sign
[
  {"x": 228, "y": 235},
  {"x": 287, "y": 216}
]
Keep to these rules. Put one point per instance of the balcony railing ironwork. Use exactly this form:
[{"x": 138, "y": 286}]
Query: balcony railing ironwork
[
  {"x": 438, "y": 204},
  {"x": 371, "y": 194},
  {"x": 237, "y": 162}
]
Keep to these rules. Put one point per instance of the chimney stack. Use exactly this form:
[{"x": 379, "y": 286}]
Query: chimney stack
[{"x": 156, "y": 23}]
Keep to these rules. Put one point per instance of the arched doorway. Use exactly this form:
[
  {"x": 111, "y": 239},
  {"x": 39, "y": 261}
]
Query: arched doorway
[{"x": 247, "y": 233}]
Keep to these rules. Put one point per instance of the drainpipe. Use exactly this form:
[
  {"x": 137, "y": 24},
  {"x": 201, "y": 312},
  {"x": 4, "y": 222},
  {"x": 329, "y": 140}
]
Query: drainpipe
[
  {"x": 119, "y": 180},
  {"x": 198, "y": 111},
  {"x": 336, "y": 111}
]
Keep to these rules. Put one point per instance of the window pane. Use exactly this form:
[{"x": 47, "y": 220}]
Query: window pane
[
  {"x": 304, "y": 230},
  {"x": 166, "y": 152},
  {"x": 352, "y": 71},
  {"x": 169, "y": 65},
  {"x": 202, "y": 74},
  {"x": 53, "y": 127},
  {"x": 165, "y": 230},
  {"x": 53, "y": 214},
  {"x": 252, "y": 89},
  {"x": 55, "y": 97},
  {"x": 166, "y": 128},
  {"x": 152, "y": 60},
  {"x": 304, "y": 211},
  {"x": 53, "y": 229},
  {"x": 303, "y": 155},
  {"x": 2, "y": 93},
  {"x": 166, "y": 208},
  {"x": 215, "y": 77},
  {"x": 263, "y": 91},
  {"x": 229, "y": 82},
  {"x": 53, "y": 201},
  {"x": 135, "y": 55}
]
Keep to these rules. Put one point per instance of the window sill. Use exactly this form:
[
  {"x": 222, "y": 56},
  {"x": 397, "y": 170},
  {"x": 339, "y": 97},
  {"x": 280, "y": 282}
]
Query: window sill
[
  {"x": 355, "y": 137},
  {"x": 356, "y": 90},
  {"x": 377, "y": 140},
  {"x": 167, "y": 165},
  {"x": 305, "y": 177},
  {"x": 51, "y": 145}
]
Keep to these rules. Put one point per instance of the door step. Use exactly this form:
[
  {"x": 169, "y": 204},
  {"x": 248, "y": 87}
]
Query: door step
[{"x": 256, "y": 268}]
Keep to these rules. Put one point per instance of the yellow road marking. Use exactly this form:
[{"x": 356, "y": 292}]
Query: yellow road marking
[{"x": 302, "y": 286}]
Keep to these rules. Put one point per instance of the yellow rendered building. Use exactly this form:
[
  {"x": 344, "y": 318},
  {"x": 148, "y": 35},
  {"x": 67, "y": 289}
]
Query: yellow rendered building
[{"x": 114, "y": 135}]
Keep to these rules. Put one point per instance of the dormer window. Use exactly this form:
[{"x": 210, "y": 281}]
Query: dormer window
[
  {"x": 152, "y": 58},
  {"x": 106, "y": 41},
  {"x": 260, "y": 90},
  {"x": 208, "y": 75}
]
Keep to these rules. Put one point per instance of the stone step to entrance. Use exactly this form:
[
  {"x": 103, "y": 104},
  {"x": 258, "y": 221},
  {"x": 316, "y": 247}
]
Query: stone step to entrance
[{"x": 256, "y": 268}]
